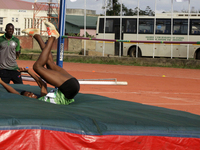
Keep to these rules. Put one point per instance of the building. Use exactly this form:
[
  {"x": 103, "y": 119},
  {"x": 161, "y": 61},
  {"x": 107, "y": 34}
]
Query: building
[
  {"x": 21, "y": 13},
  {"x": 75, "y": 22},
  {"x": 75, "y": 25}
]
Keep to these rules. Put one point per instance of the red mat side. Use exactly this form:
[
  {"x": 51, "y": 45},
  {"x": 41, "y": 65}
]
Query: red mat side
[{"x": 38, "y": 139}]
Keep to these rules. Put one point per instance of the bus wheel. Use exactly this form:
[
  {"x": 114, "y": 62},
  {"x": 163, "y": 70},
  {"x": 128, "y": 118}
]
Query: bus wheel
[
  {"x": 132, "y": 52},
  {"x": 198, "y": 55}
]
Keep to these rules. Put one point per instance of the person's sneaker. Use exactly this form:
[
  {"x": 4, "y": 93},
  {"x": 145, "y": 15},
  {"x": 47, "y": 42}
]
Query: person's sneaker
[
  {"x": 31, "y": 31},
  {"x": 51, "y": 30}
]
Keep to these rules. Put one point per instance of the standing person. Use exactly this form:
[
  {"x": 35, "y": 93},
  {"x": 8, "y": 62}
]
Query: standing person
[{"x": 9, "y": 47}]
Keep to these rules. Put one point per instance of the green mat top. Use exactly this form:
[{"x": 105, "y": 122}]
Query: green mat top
[{"x": 93, "y": 115}]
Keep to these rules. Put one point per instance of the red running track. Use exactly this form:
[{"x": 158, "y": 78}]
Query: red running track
[{"x": 163, "y": 87}]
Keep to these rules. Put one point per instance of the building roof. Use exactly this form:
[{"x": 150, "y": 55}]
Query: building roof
[
  {"x": 20, "y": 4},
  {"x": 15, "y": 4},
  {"x": 91, "y": 21}
]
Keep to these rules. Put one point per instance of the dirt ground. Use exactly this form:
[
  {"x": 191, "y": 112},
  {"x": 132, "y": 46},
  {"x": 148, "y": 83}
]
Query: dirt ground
[{"x": 163, "y": 87}]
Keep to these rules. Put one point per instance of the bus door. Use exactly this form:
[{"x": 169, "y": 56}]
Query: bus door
[{"x": 117, "y": 37}]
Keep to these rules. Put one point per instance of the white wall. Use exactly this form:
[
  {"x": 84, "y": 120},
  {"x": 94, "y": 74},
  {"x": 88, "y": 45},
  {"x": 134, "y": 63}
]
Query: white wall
[{"x": 22, "y": 15}]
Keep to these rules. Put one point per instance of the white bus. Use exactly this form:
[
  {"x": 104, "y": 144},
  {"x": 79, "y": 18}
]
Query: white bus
[{"x": 146, "y": 32}]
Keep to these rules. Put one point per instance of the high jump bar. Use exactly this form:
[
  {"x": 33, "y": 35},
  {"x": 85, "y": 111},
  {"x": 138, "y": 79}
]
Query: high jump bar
[
  {"x": 109, "y": 81},
  {"x": 135, "y": 41}
]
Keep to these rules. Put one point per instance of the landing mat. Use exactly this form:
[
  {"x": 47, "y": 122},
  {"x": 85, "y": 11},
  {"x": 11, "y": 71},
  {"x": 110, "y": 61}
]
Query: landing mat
[{"x": 93, "y": 122}]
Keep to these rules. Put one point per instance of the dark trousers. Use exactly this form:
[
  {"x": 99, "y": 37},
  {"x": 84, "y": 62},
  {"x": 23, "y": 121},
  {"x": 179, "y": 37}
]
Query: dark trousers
[{"x": 11, "y": 75}]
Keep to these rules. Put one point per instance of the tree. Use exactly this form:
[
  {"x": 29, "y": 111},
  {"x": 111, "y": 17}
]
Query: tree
[
  {"x": 149, "y": 12},
  {"x": 114, "y": 9}
]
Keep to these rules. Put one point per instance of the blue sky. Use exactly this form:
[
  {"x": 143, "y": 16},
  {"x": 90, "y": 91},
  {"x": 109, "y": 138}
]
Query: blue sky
[{"x": 162, "y": 5}]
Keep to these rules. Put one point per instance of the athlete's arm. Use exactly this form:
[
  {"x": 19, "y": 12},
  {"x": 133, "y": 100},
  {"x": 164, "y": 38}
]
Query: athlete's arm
[
  {"x": 38, "y": 80},
  {"x": 8, "y": 88}
]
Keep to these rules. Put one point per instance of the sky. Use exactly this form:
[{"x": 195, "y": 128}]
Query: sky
[{"x": 161, "y": 5}]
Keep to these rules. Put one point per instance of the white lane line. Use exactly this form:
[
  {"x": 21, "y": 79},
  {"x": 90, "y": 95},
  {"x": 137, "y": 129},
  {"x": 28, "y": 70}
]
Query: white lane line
[
  {"x": 142, "y": 92},
  {"x": 178, "y": 99},
  {"x": 192, "y": 104}
]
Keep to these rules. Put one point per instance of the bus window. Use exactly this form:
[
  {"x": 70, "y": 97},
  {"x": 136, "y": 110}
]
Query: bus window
[
  {"x": 146, "y": 26},
  {"x": 195, "y": 27},
  {"x": 131, "y": 26},
  {"x": 180, "y": 26},
  {"x": 163, "y": 26},
  {"x": 101, "y": 25},
  {"x": 109, "y": 26}
]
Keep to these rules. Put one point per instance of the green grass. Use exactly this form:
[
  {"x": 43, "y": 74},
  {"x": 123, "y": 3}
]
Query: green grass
[{"x": 150, "y": 62}]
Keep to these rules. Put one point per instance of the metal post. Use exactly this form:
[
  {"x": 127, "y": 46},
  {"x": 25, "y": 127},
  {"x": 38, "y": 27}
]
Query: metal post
[
  {"x": 61, "y": 29},
  {"x": 138, "y": 14},
  {"x": 104, "y": 27},
  {"x": 120, "y": 43},
  {"x": 172, "y": 26},
  {"x": 188, "y": 35},
  {"x": 85, "y": 28},
  {"x": 154, "y": 30}
]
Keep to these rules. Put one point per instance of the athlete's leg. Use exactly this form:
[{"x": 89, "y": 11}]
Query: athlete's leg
[
  {"x": 42, "y": 46},
  {"x": 51, "y": 76},
  {"x": 57, "y": 76},
  {"x": 50, "y": 63},
  {"x": 36, "y": 34},
  {"x": 51, "y": 32}
]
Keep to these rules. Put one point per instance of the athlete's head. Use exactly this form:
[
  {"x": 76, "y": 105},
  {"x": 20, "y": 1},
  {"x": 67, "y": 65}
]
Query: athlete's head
[
  {"x": 9, "y": 30},
  {"x": 28, "y": 94}
]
